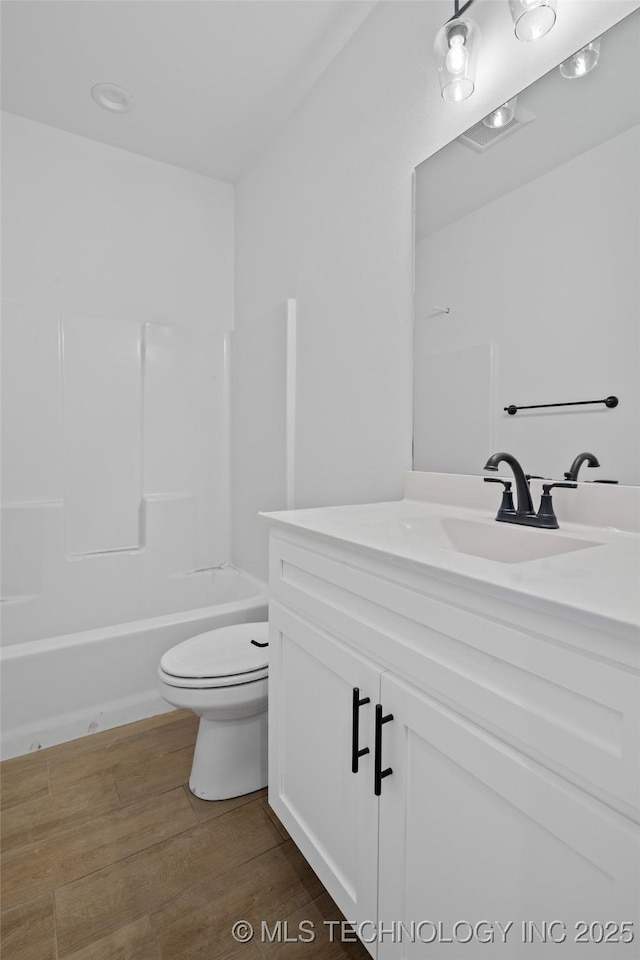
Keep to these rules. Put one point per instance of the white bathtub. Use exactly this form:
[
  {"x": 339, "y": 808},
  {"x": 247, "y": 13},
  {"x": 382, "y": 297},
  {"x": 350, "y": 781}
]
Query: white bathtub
[{"x": 64, "y": 687}]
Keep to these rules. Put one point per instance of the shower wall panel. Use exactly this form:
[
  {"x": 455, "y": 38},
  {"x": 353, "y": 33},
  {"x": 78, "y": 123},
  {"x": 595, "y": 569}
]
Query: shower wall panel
[
  {"x": 115, "y": 504},
  {"x": 184, "y": 409},
  {"x": 102, "y": 434},
  {"x": 31, "y": 404}
]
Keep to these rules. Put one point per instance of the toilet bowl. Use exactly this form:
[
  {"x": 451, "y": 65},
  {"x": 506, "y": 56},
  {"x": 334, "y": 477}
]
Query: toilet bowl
[{"x": 222, "y": 677}]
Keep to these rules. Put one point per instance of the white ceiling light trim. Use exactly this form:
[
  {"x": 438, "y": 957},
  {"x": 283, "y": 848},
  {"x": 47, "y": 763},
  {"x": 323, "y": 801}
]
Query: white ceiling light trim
[{"x": 111, "y": 97}]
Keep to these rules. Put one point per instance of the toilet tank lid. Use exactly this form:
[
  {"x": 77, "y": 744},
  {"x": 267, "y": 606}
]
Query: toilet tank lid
[{"x": 223, "y": 652}]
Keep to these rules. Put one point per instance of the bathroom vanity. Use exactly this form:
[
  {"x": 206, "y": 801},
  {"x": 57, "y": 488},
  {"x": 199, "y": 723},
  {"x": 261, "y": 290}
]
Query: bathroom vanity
[{"x": 455, "y": 720}]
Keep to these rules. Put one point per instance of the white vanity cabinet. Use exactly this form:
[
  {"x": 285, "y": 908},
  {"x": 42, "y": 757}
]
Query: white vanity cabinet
[
  {"x": 325, "y": 806},
  {"x": 472, "y": 830},
  {"x": 513, "y": 751}
]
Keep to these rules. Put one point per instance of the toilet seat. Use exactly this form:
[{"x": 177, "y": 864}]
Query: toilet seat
[{"x": 222, "y": 657}]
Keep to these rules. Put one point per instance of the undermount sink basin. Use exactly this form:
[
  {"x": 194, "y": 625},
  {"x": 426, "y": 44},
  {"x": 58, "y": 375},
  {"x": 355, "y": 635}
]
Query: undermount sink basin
[{"x": 490, "y": 540}]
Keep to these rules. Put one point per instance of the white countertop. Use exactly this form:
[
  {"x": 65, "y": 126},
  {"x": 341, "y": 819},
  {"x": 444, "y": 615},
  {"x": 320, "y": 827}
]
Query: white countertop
[{"x": 598, "y": 585}]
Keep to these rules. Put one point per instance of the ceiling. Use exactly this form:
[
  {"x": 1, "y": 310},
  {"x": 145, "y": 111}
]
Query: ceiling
[
  {"x": 212, "y": 79},
  {"x": 571, "y": 117}
]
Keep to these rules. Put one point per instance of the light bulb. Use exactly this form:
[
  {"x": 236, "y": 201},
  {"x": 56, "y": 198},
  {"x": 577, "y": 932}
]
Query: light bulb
[
  {"x": 456, "y": 60},
  {"x": 580, "y": 65}
]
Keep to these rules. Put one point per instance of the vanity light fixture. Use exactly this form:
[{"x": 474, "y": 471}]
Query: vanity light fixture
[
  {"x": 111, "y": 97},
  {"x": 502, "y": 115},
  {"x": 456, "y": 48},
  {"x": 533, "y": 18},
  {"x": 581, "y": 62}
]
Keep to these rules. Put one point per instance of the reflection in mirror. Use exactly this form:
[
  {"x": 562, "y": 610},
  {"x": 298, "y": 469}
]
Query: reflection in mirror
[{"x": 528, "y": 279}]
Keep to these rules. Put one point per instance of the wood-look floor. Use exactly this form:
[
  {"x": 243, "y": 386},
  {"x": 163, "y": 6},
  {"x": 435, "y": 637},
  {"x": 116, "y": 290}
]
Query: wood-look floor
[{"x": 106, "y": 855}]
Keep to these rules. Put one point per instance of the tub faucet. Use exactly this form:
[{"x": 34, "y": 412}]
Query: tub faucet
[
  {"x": 524, "y": 503},
  {"x": 589, "y": 458}
]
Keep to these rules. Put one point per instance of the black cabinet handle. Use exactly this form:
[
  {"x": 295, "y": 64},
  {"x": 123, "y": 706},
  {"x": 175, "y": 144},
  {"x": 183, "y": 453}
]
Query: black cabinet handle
[
  {"x": 378, "y": 773},
  {"x": 356, "y": 752},
  {"x": 257, "y": 643}
]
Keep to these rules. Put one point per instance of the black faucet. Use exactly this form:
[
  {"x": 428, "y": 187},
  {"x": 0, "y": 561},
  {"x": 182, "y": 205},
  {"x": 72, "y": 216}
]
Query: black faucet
[
  {"x": 588, "y": 458},
  {"x": 524, "y": 506},
  {"x": 524, "y": 514}
]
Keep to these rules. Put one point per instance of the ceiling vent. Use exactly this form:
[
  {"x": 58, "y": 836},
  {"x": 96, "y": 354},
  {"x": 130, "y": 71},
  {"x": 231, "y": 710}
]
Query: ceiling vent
[{"x": 480, "y": 138}]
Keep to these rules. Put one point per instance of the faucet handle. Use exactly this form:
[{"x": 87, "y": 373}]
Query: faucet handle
[
  {"x": 546, "y": 516},
  {"x": 506, "y": 507},
  {"x": 507, "y": 483}
]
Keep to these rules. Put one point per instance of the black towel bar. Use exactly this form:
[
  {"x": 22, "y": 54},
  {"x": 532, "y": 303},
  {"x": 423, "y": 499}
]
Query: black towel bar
[{"x": 608, "y": 402}]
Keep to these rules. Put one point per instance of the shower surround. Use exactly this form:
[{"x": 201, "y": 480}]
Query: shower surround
[
  {"x": 123, "y": 553},
  {"x": 119, "y": 511},
  {"x": 117, "y": 312}
]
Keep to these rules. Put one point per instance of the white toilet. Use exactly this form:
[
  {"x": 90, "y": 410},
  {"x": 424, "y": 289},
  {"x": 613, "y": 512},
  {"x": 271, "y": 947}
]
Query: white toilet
[{"x": 222, "y": 676}]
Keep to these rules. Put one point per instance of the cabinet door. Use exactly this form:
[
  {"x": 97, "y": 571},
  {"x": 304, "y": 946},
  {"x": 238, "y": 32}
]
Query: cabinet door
[
  {"x": 329, "y": 810},
  {"x": 471, "y": 831}
]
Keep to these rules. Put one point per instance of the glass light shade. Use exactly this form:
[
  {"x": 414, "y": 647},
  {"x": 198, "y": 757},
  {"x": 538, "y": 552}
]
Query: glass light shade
[
  {"x": 581, "y": 62},
  {"x": 502, "y": 116},
  {"x": 456, "y": 48},
  {"x": 533, "y": 18}
]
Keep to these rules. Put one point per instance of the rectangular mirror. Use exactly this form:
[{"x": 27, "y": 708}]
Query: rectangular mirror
[{"x": 528, "y": 278}]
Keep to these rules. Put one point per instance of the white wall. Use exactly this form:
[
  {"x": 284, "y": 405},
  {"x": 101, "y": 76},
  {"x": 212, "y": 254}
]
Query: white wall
[
  {"x": 324, "y": 215},
  {"x": 548, "y": 274},
  {"x": 117, "y": 302}
]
